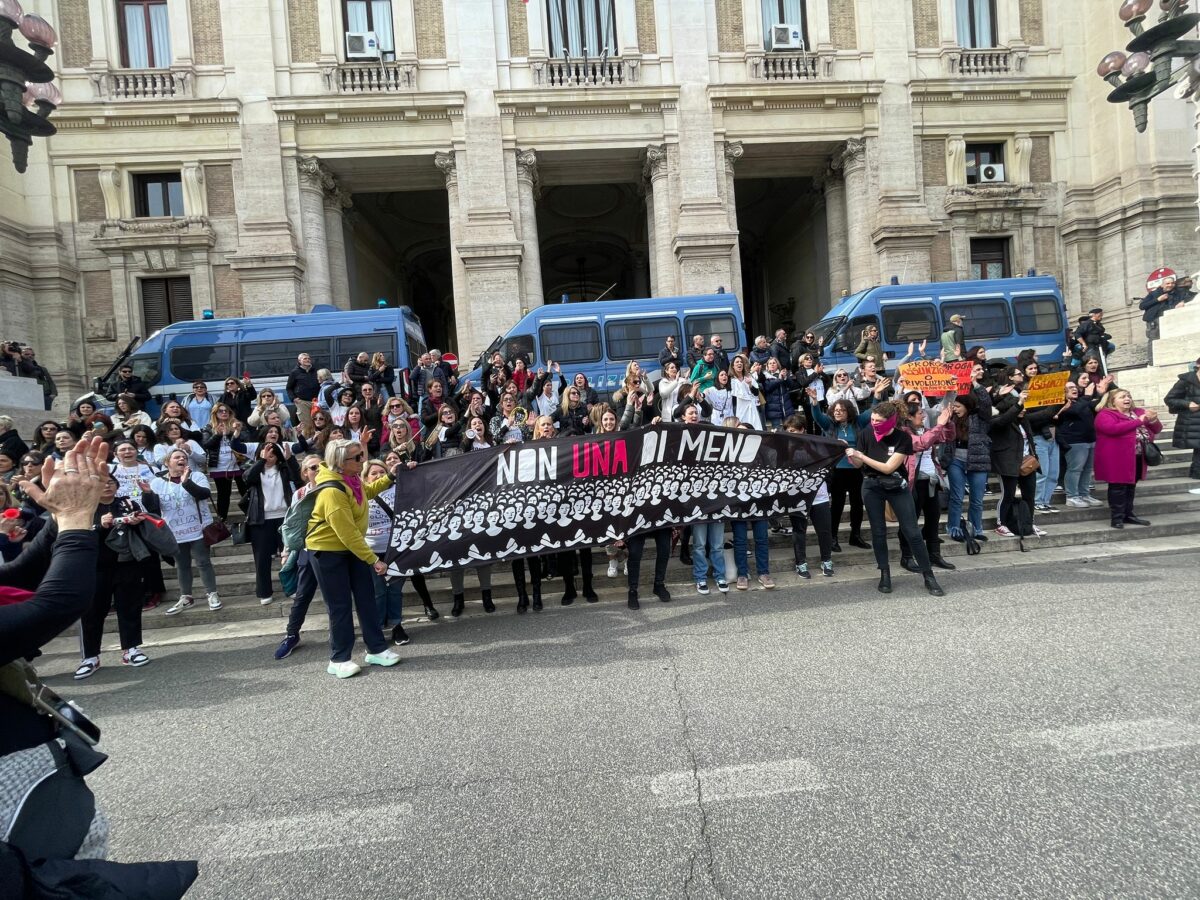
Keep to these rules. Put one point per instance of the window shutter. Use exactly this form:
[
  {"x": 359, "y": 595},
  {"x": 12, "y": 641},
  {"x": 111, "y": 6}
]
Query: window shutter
[
  {"x": 179, "y": 295},
  {"x": 156, "y": 312}
]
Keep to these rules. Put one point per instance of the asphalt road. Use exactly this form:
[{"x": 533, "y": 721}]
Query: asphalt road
[{"x": 1033, "y": 734}]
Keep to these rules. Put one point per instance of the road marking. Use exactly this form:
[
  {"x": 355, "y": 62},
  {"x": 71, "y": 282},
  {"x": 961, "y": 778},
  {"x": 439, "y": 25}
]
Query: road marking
[
  {"x": 306, "y": 832},
  {"x": 783, "y": 776},
  {"x": 1114, "y": 738}
]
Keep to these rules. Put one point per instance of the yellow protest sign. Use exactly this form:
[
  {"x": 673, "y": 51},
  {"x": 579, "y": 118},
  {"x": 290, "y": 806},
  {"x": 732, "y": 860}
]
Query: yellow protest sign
[
  {"x": 936, "y": 379},
  {"x": 1047, "y": 390}
]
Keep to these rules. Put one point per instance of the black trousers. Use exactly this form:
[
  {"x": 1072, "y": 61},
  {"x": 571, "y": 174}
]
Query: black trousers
[
  {"x": 534, "y": 564},
  {"x": 874, "y": 499},
  {"x": 846, "y": 483},
  {"x": 121, "y": 586},
  {"x": 306, "y": 590},
  {"x": 225, "y": 490},
  {"x": 347, "y": 587},
  {"x": 1194, "y": 468},
  {"x": 152, "y": 575},
  {"x": 1120, "y": 501},
  {"x": 662, "y": 555},
  {"x": 265, "y": 544},
  {"x": 1006, "y": 512},
  {"x": 571, "y": 562},
  {"x": 929, "y": 505},
  {"x": 822, "y": 522}
]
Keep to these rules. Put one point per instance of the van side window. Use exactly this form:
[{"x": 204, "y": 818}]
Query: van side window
[
  {"x": 278, "y": 358},
  {"x": 708, "y": 326},
  {"x": 520, "y": 346},
  {"x": 910, "y": 322},
  {"x": 146, "y": 368},
  {"x": 983, "y": 319},
  {"x": 1038, "y": 315},
  {"x": 349, "y": 347},
  {"x": 203, "y": 363},
  {"x": 574, "y": 343},
  {"x": 850, "y": 338},
  {"x": 639, "y": 338}
]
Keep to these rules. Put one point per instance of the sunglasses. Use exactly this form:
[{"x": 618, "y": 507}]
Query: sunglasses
[
  {"x": 229, "y": 383},
  {"x": 315, "y": 467},
  {"x": 357, "y": 457}
]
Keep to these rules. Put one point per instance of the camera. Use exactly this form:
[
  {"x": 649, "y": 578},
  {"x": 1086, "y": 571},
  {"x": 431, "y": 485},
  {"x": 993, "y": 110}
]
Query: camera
[{"x": 126, "y": 520}]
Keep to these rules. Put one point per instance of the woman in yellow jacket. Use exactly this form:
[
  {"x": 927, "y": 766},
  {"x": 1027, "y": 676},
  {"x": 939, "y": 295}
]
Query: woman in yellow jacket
[{"x": 343, "y": 561}]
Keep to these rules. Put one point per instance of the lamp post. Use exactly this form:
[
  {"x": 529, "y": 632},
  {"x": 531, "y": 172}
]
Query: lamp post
[
  {"x": 25, "y": 80},
  {"x": 1146, "y": 67}
]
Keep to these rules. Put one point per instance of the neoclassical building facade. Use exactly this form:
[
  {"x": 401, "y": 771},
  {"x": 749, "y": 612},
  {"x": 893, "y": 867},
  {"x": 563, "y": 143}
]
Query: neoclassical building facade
[{"x": 474, "y": 158}]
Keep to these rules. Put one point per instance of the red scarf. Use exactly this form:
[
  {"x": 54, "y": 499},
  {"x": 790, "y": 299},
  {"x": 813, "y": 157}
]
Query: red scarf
[{"x": 11, "y": 595}]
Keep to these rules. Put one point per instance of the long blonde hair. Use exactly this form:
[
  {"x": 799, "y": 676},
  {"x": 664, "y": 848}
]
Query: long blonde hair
[{"x": 1109, "y": 398}]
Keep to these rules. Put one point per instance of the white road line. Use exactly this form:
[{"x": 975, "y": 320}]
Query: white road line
[
  {"x": 783, "y": 776},
  {"x": 305, "y": 832},
  {"x": 1113, "y": 738}
]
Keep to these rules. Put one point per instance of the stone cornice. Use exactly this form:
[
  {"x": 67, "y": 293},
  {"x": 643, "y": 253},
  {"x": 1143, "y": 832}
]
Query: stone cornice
[
  {"x": 360, "y": 109},
  {"x": 795, "y": 94},
  {"x": 148, "y": 114},
  {"x": 609, "y": 101},
  {"x": 991, "y": 90}
]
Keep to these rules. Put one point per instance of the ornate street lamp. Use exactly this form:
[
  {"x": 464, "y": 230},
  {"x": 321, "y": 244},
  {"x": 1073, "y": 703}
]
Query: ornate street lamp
[
  {"x": 1147, "y": 67},
  {"x": 25, "y": 80}
]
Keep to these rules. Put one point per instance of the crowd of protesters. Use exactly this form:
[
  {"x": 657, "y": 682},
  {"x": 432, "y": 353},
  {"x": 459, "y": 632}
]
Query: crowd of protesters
[{"x": 921, "y": 462}]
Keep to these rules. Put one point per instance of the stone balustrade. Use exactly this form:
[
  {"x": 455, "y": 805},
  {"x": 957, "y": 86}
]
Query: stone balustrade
[
  {"x": 612, "y": 70},
  {"x": 976, "y": 62},
  {"x": 141, "y": 84},
  {"x": 373, "y": 77},
  {"x": 785, "y": 67}
]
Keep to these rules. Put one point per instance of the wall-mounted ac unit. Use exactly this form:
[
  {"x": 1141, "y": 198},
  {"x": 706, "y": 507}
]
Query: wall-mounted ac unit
[
  {"x": 991, "y": 172},
  {"x": 361, "y": 45},
  {"x": 785, "y": 37}
]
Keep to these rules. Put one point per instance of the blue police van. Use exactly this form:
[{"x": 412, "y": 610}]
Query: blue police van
[
  {"x": 171, "y": 360},
  {"x": 599, "y": 338},
  {"x": 1005, "y": 315}
]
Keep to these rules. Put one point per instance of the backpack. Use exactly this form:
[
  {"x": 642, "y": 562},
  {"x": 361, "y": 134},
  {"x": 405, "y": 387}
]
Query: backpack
[{"x": 296, "y": 522}]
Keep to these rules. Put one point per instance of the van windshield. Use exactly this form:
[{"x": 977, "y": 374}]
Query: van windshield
[{"x": 824, "y": 330}]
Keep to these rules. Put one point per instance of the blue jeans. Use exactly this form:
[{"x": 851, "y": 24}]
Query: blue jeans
[
  {"x": 762, "y": 562},
  {"x": 708, "y": 546},
  {"x": 389, "y": 598},
  {"x": 959, "y": 478},
  {"x": 1078, "y": 480},
  {"x": 1047, "y": 476}
]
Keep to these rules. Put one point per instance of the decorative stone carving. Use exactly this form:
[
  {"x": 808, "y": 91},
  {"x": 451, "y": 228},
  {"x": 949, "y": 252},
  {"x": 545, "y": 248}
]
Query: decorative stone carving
[
  {"x": 1022, "y": 157},
  {"x": 312, "y": 172},
  {"x": 178, "y": 224},
  {"x": 734, "y": 150},
  {"x": 527, "y": 168},
  {"x": 655, "y": 163},
  {"x": 852, "y": 155},
  {"x": 448, "y": 166},
  {"x": 956, "y": 160},
  {"x": 193, "y": 189},
  {"x": 110, "y": 188}
]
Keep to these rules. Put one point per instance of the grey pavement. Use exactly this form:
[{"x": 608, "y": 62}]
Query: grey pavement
[{"x": 1035, "y": 734}]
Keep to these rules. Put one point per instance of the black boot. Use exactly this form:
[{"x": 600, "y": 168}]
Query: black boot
[
  {"x": 633, "y": 600},
  {"x": 522, "y": 598},
  {"x": 569, "y": 594},
  {"x": 932, "y": 586},
  {"x": 588, "y": 593},
  {"x": 907, "y": 564},
  {"x": 537, "y": 596},
  {"x": 685, "y": 556},
  {"x": 661, "y": 592},
  {"x": 431, "y": 612},
  {"x": 938, "y": 561},
  {"x": 457, "y": 609},
  {"x": 885, "y": 581},
  {"x": 488, "y": 605},
  {"x": 836, "y": 547},
  {"x": 857, "y": 541}
]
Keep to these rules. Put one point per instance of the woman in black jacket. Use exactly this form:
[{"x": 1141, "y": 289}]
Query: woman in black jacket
[
  {"x": 239, "y": 396},
  {"x": 270, "y": 483},
  {"x": 1012, "y": 441},
  {"x": 1076, "y": 435},
  {"x": 571, "y": 415},
  {"x": 223, "y": 444},
  {"x": 1184, "y": 401}
]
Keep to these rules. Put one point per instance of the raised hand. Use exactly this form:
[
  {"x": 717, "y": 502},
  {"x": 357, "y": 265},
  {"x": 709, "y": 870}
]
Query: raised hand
[{"x": 72, "y": 490}]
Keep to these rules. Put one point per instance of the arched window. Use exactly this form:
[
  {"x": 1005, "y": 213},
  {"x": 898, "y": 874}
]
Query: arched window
[{"x": 582, "y": 27}]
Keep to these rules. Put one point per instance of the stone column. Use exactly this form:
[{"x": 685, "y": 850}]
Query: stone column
[
  {"x": 529, "y": 189},
  {"x": 651, "y": 246},
  {"x": 337, "y": 200},
  {"x": 733, "y": 152},
  {"x": 852, "y": 159},
  {"x": 447, "y": 165},
  {"x": 655, "y": 171},
  {"x": 836, "y": 234},
  {"x": 312, "y": 224}
]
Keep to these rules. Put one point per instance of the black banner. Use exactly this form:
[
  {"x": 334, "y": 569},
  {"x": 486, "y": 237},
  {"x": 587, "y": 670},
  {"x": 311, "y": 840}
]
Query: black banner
[{"x": 538, "y": 497}]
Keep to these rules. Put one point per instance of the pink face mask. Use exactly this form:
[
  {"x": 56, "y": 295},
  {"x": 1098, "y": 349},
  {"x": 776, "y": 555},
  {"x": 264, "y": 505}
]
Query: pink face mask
[{"x": 884, "y": 428}]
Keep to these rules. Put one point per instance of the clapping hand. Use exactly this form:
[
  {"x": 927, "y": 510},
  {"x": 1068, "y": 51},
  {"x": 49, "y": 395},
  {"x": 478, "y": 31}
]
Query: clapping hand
[
  {"x": 72, "y": 490},
  {"x": 946, "y": 414}
]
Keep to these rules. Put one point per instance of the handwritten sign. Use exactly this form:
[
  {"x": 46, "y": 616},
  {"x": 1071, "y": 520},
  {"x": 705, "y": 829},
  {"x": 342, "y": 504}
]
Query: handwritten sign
[
  {"x": 1047, "y": 390},
  {"x": 936, "y": 379}
]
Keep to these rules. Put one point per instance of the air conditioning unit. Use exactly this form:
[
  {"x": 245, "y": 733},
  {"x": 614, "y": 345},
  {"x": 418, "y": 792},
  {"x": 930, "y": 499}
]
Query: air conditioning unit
[
  {"x": 991, "y": 172},
  {"x": 362, "y": 45},
  {"x": 785, "y": 37}
]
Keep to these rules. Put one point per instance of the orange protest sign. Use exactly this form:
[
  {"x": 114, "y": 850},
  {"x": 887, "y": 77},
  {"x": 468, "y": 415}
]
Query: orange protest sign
[
  {"x": 936, "y": 379},
  {"x": 1047, "y": 390}
]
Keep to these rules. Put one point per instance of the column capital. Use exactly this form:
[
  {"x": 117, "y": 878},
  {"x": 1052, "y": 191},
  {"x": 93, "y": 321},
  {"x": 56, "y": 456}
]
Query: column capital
[
  {"x": 829, "y": 180},
  {"x": 655, "y": 162},
  {"x": 312, "y": 172},
  {"x": 448, "y": 166},
  {"x": 734, "y": 150},
  {"x": 527, "y": 169},
  {"x": 853, "y": 154},
  {"x": 336, "y": 198}
]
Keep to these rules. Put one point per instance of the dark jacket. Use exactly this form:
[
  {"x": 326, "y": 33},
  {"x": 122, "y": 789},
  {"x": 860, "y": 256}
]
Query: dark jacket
[
  {"x": 31, "y": 368},
  {"x": 1152, "y": 306},
  {"x": 1008, "y": 434},
  {"x": 134, "y": 386},
  {"x": 254, "y": 496},
  {"x": 694, "y": 356},
  {"x": 1077, "y": 423},
  {"x": 302, "y": 384},
  {"x": 384, "y": 380},
  {"x": 211, "y": 442},
  {"x": 12, "y": 445},
  {"x": 356, "y": 371},
  {"x": 778, "y": 395},
  {"x": 979, "y": 438},
  {"x": 666, "y": 355},
  {"x": 779, "y": 350},
  {"x": 1041, "y": 420},
  {"x": 1187, "y": 423},
  {"x": 1093, "y": 334},
  {"x": 242, "y": 403},
  {"x": 422, "y": 377},
  {"x": 574, "y": 420}
]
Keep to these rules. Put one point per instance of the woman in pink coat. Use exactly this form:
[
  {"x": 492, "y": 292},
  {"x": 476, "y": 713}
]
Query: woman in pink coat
[{"x": 1122, "y": 432}]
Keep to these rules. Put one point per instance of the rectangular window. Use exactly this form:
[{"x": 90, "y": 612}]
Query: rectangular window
[
  {"x": 784, "y": 12},
  {"x": 989, "y": 258},
  {"x": 278, "y": 358},
  {"x": 204, "y": 363},
  {"x": 976, "y": 22},
  {"x": 158, "y": 194},
  {"x": 910, "y": 322},
  {"x": 574, "y": 343},
  {"x": 165, "y": 300},
  {"x": 639, "y": 338},
  {"x": 981, "y": 162},
  {"x": 145, "y": 34},
  {"x": 580, "y": 28},
  {"x": 707, "y": 326},
  {"x": 347, "y": 348},
  {"x": 982, "y": 319},
  {"x": 372, "y": 15},
  {"x": 851, "y": 336},
  {"x": 1038, "y": 315}
]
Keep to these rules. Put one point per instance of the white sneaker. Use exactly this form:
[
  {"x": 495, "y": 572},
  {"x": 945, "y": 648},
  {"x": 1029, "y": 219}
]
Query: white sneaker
[
  {"x": 185, "y": 602},
  {"x": 346, "y": 669},
  {"x": 265, "y": 600},
  {"x": 214, "y": 602},
  {"x": 1078, "y": 503},
  {"x": 1093, "y": 501},
  {"x": 387, "y": 657},
  {"x": 1038, "y": 531},
  {"x": 612, "y": 568},
  {"x": 625, "y": 568},
  {"x": 1195, "y": 490}
]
